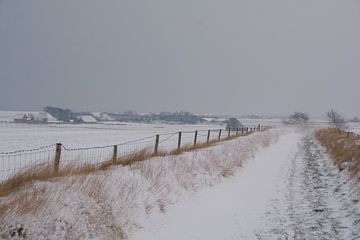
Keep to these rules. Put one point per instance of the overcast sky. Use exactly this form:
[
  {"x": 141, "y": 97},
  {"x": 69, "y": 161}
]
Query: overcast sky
[{"x": 203, "y": 56}]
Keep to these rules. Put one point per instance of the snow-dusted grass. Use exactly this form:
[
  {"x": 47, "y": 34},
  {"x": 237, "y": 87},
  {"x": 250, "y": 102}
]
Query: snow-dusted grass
[
  {"x": 112, "y": 203},
  {"x": 344, "y": 148}
]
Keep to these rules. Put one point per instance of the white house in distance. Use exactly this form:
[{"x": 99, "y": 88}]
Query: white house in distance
[
  {"x": 36, "y": 117},
  {"x": 87, "y": 119}
]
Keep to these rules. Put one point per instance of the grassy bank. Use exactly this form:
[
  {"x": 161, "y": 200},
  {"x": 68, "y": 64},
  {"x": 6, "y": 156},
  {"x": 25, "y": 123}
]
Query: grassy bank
[{"x": 343, "y": 147}]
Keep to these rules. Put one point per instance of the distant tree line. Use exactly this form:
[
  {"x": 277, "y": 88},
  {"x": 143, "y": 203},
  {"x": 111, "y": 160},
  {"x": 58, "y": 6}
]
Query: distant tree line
[{"x": 68, "y": 116}]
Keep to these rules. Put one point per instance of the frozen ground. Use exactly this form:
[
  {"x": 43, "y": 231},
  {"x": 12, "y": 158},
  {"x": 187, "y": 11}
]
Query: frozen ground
[{"x": 288, "y": 191}]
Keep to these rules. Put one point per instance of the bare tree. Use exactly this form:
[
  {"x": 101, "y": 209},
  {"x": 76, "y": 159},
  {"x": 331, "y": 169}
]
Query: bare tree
[
  {"x": 297, "y": 118},
  {"x": 336, "y": 119}
]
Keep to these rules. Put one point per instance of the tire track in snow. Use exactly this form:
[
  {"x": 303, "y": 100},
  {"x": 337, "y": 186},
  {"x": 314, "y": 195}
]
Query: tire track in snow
[{"x": 313, "y": 200}]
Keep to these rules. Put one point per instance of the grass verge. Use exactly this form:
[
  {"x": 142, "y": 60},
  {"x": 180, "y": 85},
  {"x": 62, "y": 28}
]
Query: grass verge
[{"x": 343, "y": 147}]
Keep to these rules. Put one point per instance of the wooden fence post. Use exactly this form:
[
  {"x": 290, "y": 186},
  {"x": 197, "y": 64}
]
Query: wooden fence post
[
  {"x": 156, "y": 144},
  {"x": 219, "y": 135},
  {"x": 229, "y": 132},
  {"x": 259, "y": 127},
  {"x": 179, "y": 141},
  {"x": 114, "y": 158},
  {"x": 237, "y": 131},
  {"x": 195, "y": 137},
  {"x": 247, "y": 129},
  {"x": 57, "y": 158},
  {"x": 208, "y": 136},
  {"x": 242, "y": 131}
]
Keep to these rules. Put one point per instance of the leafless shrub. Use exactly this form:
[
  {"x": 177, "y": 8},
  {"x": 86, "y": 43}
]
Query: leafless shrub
[
  {"x": 297, "y": 118},
  {"x": 336, "y": 119}
]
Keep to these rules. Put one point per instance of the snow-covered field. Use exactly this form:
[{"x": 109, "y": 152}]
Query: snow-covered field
[
  {"x": 354, "y": 127},
  {"x": 16, "y": 137},
  {"x": 27, "y": 136}
]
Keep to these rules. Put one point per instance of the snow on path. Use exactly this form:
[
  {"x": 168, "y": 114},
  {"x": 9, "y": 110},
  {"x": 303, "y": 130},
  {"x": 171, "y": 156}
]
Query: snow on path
[
  {"x": 232, "y": 209},
  {"x": 314, "y": 200}
]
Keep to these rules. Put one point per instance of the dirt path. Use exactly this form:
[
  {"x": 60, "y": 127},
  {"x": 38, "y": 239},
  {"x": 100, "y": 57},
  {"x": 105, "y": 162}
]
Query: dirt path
[{"x": 288, "y": 191}]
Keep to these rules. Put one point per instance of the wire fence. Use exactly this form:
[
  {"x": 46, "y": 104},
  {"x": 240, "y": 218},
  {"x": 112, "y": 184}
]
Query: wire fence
[
  {"x": 348, "y": 133},
  {"x": 58, "y": 156}
]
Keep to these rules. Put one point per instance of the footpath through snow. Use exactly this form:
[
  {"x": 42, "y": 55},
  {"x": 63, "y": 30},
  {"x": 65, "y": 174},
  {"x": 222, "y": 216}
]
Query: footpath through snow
[
  {"x": 288, "y": 191},
  {"x": 232, "y": 209}
]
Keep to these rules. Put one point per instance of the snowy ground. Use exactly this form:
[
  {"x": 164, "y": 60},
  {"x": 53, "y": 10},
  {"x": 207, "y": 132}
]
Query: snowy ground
[
  {"x": 16, "y": 137},
  {"x": 27, "y": 136},
  {"x": 354, "y": 127},
  {"x": 288, "y": 191},
  {"x": 112, "y": 204}
]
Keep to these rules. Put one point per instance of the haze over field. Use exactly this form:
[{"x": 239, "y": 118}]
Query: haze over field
[{"x": 203, "y": 56}]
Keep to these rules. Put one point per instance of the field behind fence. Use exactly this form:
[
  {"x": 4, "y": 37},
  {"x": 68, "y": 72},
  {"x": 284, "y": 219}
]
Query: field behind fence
[{"x": 59, "y": 156}]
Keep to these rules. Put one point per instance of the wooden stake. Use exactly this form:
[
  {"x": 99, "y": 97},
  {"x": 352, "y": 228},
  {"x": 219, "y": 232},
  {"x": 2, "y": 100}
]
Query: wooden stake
[{"x": 57, "y": 158}]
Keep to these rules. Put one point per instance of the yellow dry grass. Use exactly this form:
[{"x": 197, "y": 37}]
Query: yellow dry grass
[{"x": 343, "y": 147}]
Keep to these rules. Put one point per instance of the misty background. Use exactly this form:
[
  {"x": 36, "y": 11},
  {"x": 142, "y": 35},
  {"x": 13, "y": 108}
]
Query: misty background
[{"x": 203, "y": 56}]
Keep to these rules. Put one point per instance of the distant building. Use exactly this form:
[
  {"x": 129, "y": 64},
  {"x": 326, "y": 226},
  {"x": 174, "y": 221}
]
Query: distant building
[
  {"x": 32, "y": 118},
  {"x": 87, "y": 119}
]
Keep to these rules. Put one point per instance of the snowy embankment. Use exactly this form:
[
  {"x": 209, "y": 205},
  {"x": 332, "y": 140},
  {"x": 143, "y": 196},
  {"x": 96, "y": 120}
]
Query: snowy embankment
[{"x": 114, "y": 203}]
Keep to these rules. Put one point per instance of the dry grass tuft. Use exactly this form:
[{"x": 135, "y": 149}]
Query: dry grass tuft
[
  {"x": 189, "y": 147},
  {"x": 344, "y": 148},
  {"x": 27, "y": 202},
  {"x": 38, "y": 173}
]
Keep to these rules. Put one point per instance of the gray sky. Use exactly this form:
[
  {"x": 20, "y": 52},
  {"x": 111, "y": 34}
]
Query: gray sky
[{"x": 204, "y": 56}]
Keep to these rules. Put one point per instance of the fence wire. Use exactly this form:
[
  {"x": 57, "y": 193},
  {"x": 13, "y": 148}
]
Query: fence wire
[
  {"x": 20, "y": 161},
  {"x": 15, "y": 162}
]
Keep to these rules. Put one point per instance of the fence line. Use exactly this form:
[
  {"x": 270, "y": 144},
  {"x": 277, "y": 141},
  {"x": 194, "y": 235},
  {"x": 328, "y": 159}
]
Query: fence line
[
  {"x": 348, "y": 133},
  {"x": 59, "y": 156}
]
